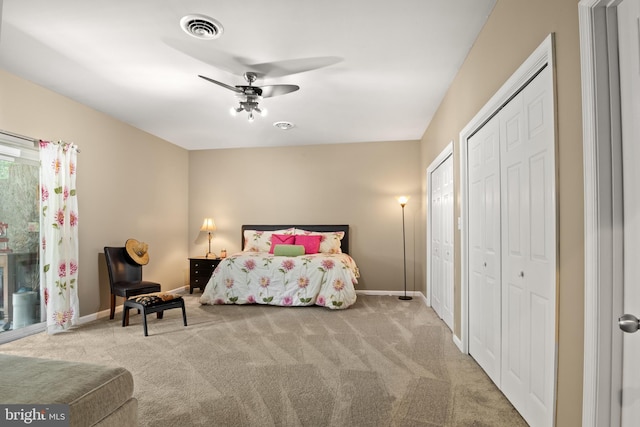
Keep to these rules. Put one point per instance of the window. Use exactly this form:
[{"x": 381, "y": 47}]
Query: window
[{"x": 19, "y": 235}]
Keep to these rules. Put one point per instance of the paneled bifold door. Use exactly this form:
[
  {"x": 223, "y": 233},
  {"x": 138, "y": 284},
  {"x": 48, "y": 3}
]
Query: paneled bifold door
[
  {"x": 484, "y": 248},
  {"x": 441, "y": 211},
  {"x": 512, "y": 249}
]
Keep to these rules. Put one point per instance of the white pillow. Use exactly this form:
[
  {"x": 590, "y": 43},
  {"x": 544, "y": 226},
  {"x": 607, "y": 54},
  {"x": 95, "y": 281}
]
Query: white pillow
[
  {"x": 330, "y": 242},
  {"x": 260, "y": 241}
]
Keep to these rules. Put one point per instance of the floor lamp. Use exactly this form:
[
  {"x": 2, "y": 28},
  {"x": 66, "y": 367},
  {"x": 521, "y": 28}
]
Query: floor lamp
[{"x": 403, "y": 201}]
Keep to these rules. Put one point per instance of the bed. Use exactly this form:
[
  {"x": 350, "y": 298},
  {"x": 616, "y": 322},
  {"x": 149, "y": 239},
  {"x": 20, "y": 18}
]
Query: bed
[{"x": 287, "y": 265}]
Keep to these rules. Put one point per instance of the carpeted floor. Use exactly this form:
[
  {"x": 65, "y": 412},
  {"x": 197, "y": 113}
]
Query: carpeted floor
[{"x": 382, "y": 362}]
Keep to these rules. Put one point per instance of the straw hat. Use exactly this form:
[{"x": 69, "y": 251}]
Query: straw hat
[{"x": 137, "y": 251}]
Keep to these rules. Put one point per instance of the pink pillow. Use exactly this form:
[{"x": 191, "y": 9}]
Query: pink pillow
[
  {"x": 281, "y": 239},
  {"x": 311, "y": 243}
]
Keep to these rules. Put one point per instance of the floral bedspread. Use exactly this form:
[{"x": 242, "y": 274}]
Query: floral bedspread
[{"x": 258, "y": 277}]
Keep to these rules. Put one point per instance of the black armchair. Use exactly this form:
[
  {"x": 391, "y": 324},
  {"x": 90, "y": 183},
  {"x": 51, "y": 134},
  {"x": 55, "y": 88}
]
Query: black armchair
[{"x": 125, "y": 276}]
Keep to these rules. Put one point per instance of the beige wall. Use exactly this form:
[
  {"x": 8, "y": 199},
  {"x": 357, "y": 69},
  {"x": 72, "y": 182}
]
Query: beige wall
[
  {"x": 130, "y": 184},
  {"x": 513, "y": 31},
  {"x": 353, "y": 184}
]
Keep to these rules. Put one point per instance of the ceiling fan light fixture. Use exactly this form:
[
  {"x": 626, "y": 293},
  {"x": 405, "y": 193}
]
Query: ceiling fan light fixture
[
  {"x": 201, "y": 27},
  {"x": 249, "y": 106},
  {"x": 250, "y": 96}
]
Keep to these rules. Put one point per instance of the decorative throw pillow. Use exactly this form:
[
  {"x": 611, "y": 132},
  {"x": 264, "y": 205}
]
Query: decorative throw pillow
[
  {"x": 281, "y": 239},
  {"x": 288, "y": 250},
  {"x": 148, "y": 300},
  {"x": 260, "y": 241},
  {"x": 329, "y": 242},
  {"x": 310, "y": 242}
]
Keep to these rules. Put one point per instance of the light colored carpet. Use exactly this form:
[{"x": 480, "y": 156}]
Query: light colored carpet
[{"x": 382, "y": 362}]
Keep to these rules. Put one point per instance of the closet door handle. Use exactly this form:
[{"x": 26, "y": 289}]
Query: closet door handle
[
  {"x": 521, "y": 274},
  {"x": 629, "y": 323}
]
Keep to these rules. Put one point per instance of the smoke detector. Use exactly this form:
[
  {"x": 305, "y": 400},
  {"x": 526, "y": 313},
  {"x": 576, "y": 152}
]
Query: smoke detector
[{"x": 201, "y": 27}]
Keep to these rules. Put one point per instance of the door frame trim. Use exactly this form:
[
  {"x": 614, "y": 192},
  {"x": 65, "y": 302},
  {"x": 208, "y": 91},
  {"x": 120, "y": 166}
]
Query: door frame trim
[
  {"x": 601, "y": 127},
  {"x": 444, "y": 155}
]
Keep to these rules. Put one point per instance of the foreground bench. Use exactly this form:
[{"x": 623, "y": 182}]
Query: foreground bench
[{"x": 97, "y": 395}]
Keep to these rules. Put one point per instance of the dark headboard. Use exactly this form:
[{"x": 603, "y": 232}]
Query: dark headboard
[{"x": 344, "y": 244}]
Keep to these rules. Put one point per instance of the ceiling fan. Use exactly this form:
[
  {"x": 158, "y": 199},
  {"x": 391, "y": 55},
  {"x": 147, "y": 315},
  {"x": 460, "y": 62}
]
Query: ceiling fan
[{"x": 250, "y": 95}]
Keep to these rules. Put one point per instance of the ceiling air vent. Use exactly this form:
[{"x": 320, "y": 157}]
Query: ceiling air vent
[{"x": 201, "y": 27}]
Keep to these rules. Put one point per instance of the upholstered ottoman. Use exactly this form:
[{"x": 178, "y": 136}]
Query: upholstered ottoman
[
  {"x": 148, "y": 304},
  {"x": 96, "y": 395}
]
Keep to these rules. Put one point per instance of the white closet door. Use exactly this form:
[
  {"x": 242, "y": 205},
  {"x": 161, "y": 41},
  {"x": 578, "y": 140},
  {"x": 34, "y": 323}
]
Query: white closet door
[
  {"x": 436, "y": 241},
  {"x": 484, "y": 249},
  {"x": 629, "y": 39},
  {"x": 447, "y": 242},
  {"x": 528, "y": 250},
  {"x": 441, "y": 211}
]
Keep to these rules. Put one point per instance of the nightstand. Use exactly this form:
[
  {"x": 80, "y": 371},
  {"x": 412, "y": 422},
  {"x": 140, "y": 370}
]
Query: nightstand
[{"x": 200, "y": 271}]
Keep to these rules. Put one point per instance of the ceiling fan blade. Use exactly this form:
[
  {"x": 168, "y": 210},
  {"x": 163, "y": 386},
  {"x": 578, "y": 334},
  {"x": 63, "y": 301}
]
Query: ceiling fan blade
[
  {"x": 275, "y": 90},
  {"x": 238, "y": 65},
  {"x": 220, "y": 60},
  {"x": 291, "y": 66},
  {"x": 224, "y": 85}
]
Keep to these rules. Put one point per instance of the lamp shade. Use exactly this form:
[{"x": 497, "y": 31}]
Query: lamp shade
[
  {"x": 208, "y": 225},
  {"x": 403, "y": 200}
]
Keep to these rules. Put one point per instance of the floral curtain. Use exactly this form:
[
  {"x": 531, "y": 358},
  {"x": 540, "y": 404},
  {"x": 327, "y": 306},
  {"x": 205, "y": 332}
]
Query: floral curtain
[{"x": 59, "y": 234}]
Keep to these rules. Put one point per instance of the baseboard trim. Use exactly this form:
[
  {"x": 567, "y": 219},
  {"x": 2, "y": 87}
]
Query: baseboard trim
[
  {"x": 458, "y": 342},
  {"x": 414, "y": 294}
]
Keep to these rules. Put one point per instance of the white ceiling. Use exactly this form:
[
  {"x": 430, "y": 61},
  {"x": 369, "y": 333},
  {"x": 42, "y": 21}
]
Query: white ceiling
[{"x": 389, "y": 63}]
